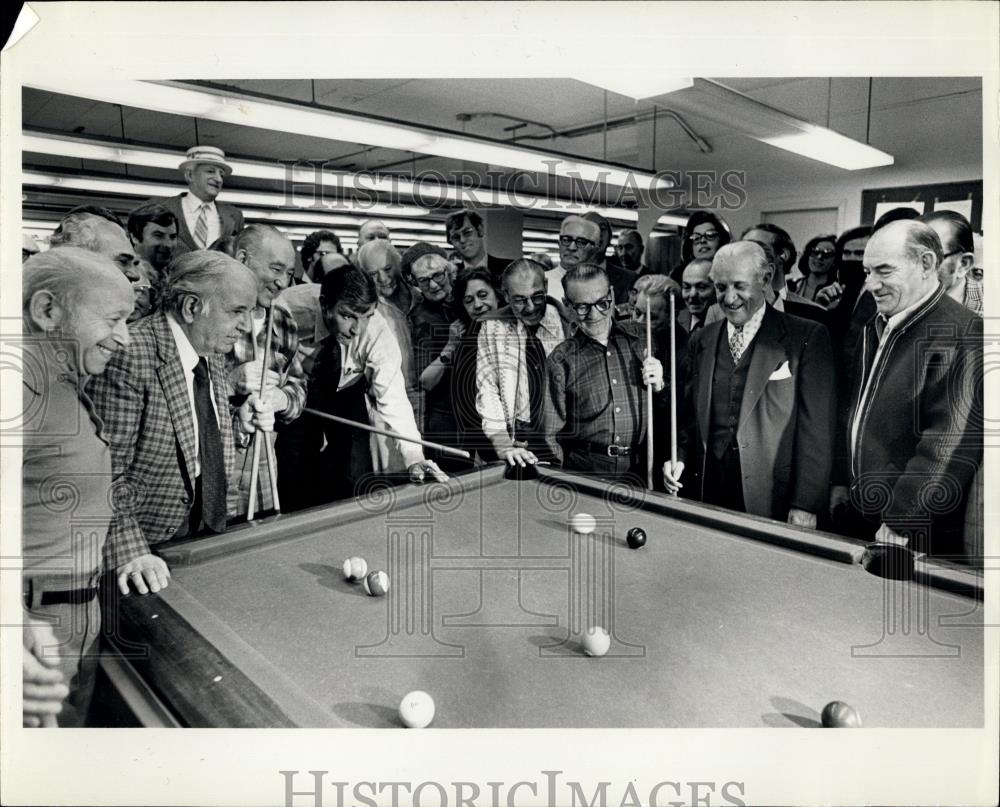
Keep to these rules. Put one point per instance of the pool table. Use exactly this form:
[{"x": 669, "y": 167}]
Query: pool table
[{"x": 720, "y": 620}]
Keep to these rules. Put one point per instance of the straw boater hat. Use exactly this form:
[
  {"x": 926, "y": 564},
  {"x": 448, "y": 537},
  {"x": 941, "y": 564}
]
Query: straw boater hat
[{"x": 206, "y": 154}]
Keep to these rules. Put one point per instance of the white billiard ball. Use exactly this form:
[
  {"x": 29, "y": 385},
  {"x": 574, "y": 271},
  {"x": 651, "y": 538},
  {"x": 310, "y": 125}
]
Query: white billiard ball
[
  {"x": 596, "y": 641},
  {"x": 355, "y": 569},
  {"x": 377, "y": 583},
  {"x": 583, "y": 523},
  {"x": 416, "y": 710}
]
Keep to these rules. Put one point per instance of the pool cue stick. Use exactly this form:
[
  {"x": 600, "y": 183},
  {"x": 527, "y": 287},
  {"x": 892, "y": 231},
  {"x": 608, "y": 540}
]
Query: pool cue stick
[
  {"x": 649, "y": 404},
  {"x": 272, "y": 459},
  {"x": 673, "y": 385},
  {"x": 386, "y": 433},
  {"x": 255, "y": 462}
]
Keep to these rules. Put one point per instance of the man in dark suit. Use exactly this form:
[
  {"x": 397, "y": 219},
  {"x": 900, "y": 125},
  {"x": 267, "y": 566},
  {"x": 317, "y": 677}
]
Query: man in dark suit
[
  {"x": 762, "y": 384},
  {"x": 912, "y": 441},
  {"x": 200, "y": 219},
  {"x": 164, "y": 401}
]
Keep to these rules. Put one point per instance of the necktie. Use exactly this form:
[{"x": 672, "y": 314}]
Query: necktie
[
  {"x": 201, "y": 227},
  {"x": 535, "y": 360},
  {"x": 736, "y": 343},
  {"x": 213, "y": 471},
  {"x": 695, "y": 324}
]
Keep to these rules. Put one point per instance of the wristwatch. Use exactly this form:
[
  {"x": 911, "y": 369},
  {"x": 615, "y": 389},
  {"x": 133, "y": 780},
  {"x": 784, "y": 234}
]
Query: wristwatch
[{"x": 445, "y": 358}]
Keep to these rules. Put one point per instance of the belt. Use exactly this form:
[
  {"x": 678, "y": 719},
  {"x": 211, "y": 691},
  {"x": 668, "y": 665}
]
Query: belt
[
  {"x": 612, "y": 450},
  {"x": 74, "y": 596}
]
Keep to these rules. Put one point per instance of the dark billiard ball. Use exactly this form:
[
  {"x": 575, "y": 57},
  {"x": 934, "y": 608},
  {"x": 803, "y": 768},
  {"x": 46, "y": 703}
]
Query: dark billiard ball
[
  {"x": 635, "y": 537},
  {"x": 839, "y": 715}
]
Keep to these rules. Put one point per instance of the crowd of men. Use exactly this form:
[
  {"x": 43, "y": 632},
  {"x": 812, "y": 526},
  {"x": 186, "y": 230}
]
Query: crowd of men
[{"x": 852, "y": 402}]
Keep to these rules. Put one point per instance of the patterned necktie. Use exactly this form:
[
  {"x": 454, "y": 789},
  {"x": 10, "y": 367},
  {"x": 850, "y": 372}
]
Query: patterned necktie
[
  {"x": 201, "y": 227},
  {"x": 213, "y": 470},
  {"x": 736, "y": 345},
  {"x": 535, "y": 360}
]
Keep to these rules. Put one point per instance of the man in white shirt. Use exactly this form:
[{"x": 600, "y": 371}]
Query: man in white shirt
[
  {"x": 510, "y": 363},
  {"x": 201, "y": 220}
]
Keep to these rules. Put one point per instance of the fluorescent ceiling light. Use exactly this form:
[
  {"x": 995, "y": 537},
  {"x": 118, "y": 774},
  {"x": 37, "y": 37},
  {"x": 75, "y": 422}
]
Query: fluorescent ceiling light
[
  {"x": 831, "y": 147},
  {"x": 242, "y": 198},
  {"x": 240, "y": 110},
  {"x": 77, "y": 148},
  {"x": 634, "y": 83},
  {"x": 725, "y": 106}
]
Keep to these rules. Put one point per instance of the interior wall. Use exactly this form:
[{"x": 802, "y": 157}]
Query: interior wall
[{"x": 846, "y": 192}]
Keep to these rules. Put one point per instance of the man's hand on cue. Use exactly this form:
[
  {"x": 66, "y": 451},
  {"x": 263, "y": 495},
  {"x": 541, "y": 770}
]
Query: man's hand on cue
[
  {"x": 419, "y": 470},
  {"x": 146, "y": 573},
  {"x": 672, "y": 476},
  {"x": 652, "y": 374}
]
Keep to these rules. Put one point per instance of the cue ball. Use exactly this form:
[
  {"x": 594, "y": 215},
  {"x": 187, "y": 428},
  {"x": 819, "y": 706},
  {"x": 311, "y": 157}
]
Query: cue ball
[
  {"x": 596, "y": 642},
  {"x": 377, "y": 584},
  {"x": 354, "y": 569},
  {"x": 416, "y": 710},
  {"x": 839, "y": 715},
  {"x": 635, "y": 537},
  {"x": 583, "y": 523}
]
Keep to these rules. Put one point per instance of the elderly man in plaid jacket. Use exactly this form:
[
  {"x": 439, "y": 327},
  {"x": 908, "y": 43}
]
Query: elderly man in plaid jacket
[{"x": 165, "y": 405}]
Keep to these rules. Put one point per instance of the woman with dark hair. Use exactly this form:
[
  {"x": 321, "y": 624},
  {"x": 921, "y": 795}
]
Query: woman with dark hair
[
  {"x": 475, "y": 295},
  {"x": 704, "y": 233},
  {"x": 817, "y": 265},
  {"x": 358, "y": 368}
]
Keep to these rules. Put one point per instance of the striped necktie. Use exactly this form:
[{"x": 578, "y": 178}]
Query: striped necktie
[{"x": 201, "y": 227}]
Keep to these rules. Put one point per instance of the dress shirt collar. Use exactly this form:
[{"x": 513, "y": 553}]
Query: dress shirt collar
[
  {"x": 192, "y": 204},
  {"x": 750, "y": 327},
  {"x": 185, "y": 350}
]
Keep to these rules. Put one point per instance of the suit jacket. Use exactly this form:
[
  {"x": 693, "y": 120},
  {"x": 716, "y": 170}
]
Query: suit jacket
[
  {"x": 143, "y": 399},
  {"x": 231, "y": 222},
  {"x": 786, "y": 423},
  {"x": 920, "y": 428}
]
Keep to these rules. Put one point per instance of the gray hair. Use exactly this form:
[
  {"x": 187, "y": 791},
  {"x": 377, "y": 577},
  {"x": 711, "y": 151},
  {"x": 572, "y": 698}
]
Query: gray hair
[
  {"x": 523, "y": 266},
  {"x": 739, "y": 251},
  {"x": 371, "y": 250},
  {"x": 65, "y": 273},
  {"x": 920, "y": 238},
  {"x": 198, "y": 274},
  {"x": 251, "y": 237},
  {"x": 78, "y": 230},
  {"x": 654, "y": 285},
  {"x": 584, "y": 271}
]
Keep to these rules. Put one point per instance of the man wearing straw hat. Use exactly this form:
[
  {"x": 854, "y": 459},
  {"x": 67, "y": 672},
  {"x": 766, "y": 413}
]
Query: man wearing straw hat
[{"x": 200, "y": 219}]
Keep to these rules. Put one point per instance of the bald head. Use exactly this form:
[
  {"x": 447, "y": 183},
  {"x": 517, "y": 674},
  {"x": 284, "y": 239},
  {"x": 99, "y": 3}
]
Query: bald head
[
  {"x": 270, "y": 256},
  {"x": 372, "y": 230}
]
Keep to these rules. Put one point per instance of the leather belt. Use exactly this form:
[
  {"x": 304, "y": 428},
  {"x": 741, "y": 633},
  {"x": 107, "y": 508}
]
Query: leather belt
[{"x": 612, "y": 450}]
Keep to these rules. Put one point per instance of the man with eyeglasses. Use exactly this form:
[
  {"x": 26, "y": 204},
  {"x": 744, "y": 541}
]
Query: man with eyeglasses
[
  {"x": 955, "y": 270},
  {"x": 762, "y": 385},
  {"x": 316, "y": 246},
  {"x": 465, "y": 231},
  {"x": 426, "y": 267},
  {"x": 271, "y": 258},
  {"x": 595, "y": 420},
  {"x": 512, "y": 347}
]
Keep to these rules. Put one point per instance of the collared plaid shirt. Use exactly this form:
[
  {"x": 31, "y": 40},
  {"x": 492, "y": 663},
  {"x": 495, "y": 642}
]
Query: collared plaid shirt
[
  {"x": 285, "y": 361},
  {"x": 595, "y": 392},
  {"x": 974, "y": 296}
]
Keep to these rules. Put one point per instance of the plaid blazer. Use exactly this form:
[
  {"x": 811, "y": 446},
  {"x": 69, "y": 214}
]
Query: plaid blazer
[{"x": 143, "y": 400}]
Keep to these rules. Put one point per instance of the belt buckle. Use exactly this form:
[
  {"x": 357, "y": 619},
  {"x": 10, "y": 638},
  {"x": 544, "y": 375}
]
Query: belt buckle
[{"x": 615, "y": 450}]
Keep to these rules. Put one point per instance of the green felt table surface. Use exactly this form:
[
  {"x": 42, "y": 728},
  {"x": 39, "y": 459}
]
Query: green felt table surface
[{"x": 490, "y": 591}]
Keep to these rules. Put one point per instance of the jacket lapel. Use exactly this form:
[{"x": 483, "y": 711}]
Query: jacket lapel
[
  {"x": 174, "y": 386},
  {"x": 706, "y": 374},
  {"x": 768, "y": 355},
  {"x": 183, "y": 233}
]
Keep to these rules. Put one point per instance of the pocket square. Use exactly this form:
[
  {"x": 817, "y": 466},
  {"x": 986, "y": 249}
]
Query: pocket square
[{"x": 781, "y": 373}]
